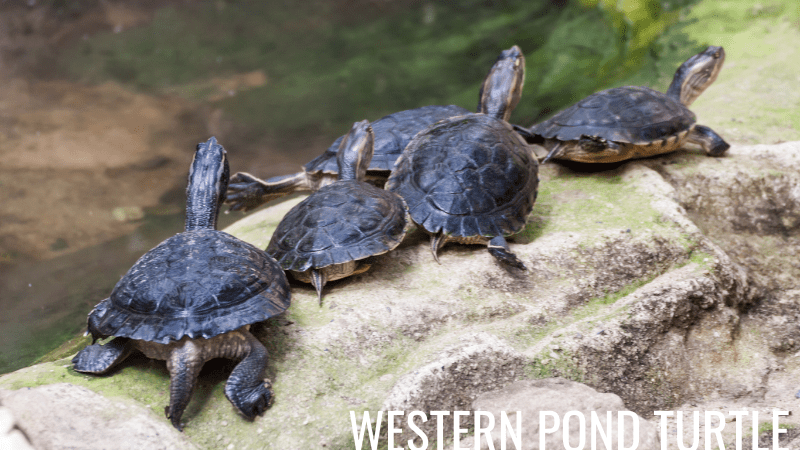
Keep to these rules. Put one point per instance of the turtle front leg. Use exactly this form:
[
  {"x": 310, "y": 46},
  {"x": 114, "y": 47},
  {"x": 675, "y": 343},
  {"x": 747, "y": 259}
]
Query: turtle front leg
[
  {"x": 246, "y": 388},
  {"x": 99, "y": 359},
  {"x": 498, "y": 247},
  {"x": 246, "y": 192},
  {"x": 184, "y": 365},
  {"x": 705, "y": 137}
]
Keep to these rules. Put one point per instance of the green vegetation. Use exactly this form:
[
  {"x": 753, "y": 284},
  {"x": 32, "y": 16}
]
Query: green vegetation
[
  {"x": 705, "y": 260},
  {"x": 326, "y": 66},
  {"x": 760, "y": 104},
  {"x": 564, "y": 203},
  {"x": 547, "y": 367}
]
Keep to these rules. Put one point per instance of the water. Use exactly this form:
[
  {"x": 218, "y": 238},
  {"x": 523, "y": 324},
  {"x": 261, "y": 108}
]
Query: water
[{"x": 276, "y": 83}]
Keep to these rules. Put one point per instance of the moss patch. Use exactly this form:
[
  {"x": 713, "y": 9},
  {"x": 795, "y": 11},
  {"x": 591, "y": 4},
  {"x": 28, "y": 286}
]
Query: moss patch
[{"x": 588, "y": 203}]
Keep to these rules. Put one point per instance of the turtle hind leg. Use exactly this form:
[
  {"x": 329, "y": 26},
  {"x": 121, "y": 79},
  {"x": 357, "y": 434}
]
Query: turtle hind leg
[
  {"x": 554, "y": 152},
  {"x": 246, "y": 388},
  {"x": 246, "y": 192},
  {"x": 184, "y": 365},
  {"x": 712, "y": 143},
  {"x": 99, "y": 359},
  {"x": 498, "y": 247}
]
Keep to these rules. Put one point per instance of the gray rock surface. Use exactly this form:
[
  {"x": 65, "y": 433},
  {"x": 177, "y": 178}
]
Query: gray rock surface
[
  {"x": 11, "y": 437},
  {"x": 640, "y": 286},
  {"x": 63, "y": 416},
  {"x": 560, "y": 396}
]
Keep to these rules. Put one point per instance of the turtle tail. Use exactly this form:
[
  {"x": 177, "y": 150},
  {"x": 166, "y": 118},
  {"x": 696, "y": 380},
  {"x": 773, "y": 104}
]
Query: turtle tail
[
  {"x": 318, "y": 280},
  {"x": 437, "y": 241}
]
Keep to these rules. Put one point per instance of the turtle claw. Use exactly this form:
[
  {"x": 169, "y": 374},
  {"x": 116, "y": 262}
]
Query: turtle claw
[
  {"x": 245, "y": 192},
  {"x": 174, "y": 419},
  {"x": 252, "y": 402}
]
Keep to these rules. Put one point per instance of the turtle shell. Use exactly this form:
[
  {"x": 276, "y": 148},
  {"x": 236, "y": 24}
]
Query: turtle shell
[
  {"x": 342, "y": 222},
  {"x": 392, "y": 134},
  {"x": 468, "y": 176},
  {"x": 630, "y": 114},
  {"x": 199, "y": 283}
]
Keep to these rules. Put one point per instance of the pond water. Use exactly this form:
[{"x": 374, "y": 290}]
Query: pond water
[{"x": 101, "y": 104}]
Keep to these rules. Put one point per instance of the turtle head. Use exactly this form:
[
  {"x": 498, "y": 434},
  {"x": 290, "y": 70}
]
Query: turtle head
[
  {"x": 355, "y": 152},
  {"x": 502, "y": 87},
  {"x": 208, "y": 182},
  {"x": 696, "y": 74}
]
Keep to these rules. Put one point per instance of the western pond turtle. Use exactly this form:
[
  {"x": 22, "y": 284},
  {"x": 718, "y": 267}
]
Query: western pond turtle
[
  {"x": 192, "y": 298},
  {"x": 632, "y": 121},
  {"x": 471, "y": 179},
  {"x": 326, "y": 236},
  {"x": 392, "y": 134}
]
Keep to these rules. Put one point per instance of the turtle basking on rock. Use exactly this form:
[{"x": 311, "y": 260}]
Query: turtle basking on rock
[
  {"x": 325, "y": 237},
  {"x": 392, "y": 134},
  {"x": 472, "y": 179},
  {"x": 632, "y": 121},
  {"x": 192, "y": 298}
]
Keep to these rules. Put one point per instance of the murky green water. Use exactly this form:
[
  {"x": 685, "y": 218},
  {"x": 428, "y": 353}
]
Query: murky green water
[{"x": 313, "y": 69}]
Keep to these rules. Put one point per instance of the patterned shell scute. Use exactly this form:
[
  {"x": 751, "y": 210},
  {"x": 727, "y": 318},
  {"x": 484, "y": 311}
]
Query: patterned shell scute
[
  {"x": 392, "y": 134},
  {"x": 468, "y": 176},
  {"x": 631, "y": 114},
  {"x": 342, "y": 222},
  {"x": 199, "y": 283}
]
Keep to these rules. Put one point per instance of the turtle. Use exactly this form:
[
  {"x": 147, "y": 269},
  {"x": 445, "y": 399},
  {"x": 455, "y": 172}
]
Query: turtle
[
  {"x": 472, "y": 179},
  {"x": 392, "y": 133},
  {"x": 327, "y": 235},
  {"x": 192, "y": 298},
  {"x": 633, "y": 121}
]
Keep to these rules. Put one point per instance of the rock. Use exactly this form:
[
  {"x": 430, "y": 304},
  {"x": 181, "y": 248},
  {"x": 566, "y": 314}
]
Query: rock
[
  {"x": 63, "y": 416},
  {"x": 670, "y": 282},
  {"x": 557, "y": 395},
  {"x": 480, "y": 363},
  {"x": 640, "y": 314},
  {"x": 659, "y": 316},
  {"x": 11, "y": 437}
]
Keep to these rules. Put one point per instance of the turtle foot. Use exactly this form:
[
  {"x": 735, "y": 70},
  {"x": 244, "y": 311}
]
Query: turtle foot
[
  {"x": 507, "y": 258},
  {"x": 246, "y": 192},
  {"x": 712, "y": 143},
  {"x": 174, "y": 418},
  {"x": 99, "y": 359},
  {"x": 498, "y": 247},
  {"x": 250, "y": 402},
  {"x": 246, "y": 388}
]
